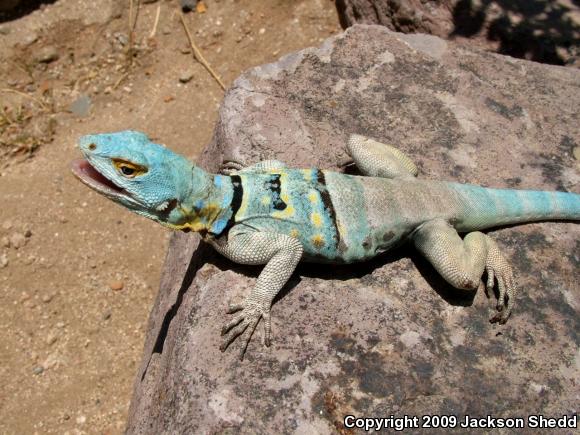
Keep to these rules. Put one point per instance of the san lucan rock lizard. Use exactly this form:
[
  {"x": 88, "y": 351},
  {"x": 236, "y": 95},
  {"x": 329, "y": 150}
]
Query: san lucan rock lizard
[{"x": 270, "y": 214}]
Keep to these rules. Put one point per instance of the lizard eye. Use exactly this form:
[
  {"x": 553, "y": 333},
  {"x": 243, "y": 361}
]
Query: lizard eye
[{"x": 128, "y": 169}]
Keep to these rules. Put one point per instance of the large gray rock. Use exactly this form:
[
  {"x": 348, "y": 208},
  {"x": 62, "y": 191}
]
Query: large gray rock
[{"x": 388, "y": 337}]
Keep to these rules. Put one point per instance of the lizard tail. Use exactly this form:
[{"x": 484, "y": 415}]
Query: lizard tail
[{"x": 496, "y": 207}]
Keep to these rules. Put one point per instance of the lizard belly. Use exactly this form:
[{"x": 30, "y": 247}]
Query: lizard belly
[
  {"x": 376, "y": 214},
  {"x": 367, "y": 219}
]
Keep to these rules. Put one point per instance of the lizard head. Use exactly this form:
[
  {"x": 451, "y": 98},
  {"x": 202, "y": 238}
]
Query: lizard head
[{"x": 140, "y": 175}]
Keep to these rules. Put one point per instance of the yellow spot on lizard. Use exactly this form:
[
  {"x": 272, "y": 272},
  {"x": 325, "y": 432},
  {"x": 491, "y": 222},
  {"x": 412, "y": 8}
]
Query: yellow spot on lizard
[
  {"x": 316, "y": 219},
  {"x": 200, "y": 221},
  {"x": 318, "y": 241},
  {"x": 286, "y": 213},
  {"x": 307, "y": 174},
  {"x": 313, "y": 197},
  {"x": 265, "y": 200},
  {"x": 294, "y": 233}
]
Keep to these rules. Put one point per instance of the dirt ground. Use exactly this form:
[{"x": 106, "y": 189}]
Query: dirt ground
[{"x": 78, "y": 274}]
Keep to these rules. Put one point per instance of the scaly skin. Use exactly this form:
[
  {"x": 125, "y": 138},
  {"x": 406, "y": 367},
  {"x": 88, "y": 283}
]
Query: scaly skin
[{"x": 270, "y": 214}]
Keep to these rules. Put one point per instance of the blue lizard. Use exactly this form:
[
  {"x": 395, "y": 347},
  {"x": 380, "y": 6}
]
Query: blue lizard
[{"x": 270, "y": 214}]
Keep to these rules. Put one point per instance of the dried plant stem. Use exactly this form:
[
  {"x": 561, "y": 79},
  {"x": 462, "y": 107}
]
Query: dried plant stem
[
  {"x": 118, "y": 82},
  {"x": 22, "y": 94},
  {"x": 154, "y": 30},
  {"x": 133, "y": 16},
  {"x": 198, "y": 56}
]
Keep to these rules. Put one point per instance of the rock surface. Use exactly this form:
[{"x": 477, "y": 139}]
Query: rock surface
[
  {"x": 539, "y": 30},
  {"x": 386, "y": 337}
]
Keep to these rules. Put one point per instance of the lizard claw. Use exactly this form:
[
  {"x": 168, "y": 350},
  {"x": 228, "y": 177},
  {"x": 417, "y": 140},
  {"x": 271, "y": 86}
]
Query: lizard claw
[
  {"x": 244, "y": 324},
  {"x": 230, "y": 167},
  {"x": 497, "y": 268}
]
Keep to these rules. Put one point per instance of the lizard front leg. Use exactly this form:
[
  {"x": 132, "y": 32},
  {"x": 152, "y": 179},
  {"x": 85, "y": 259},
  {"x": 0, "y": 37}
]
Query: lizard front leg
[
  {"x": 280, "y": 253},
  {"x": 232, "y": 167},
  {"x": 462, "y": 262}
]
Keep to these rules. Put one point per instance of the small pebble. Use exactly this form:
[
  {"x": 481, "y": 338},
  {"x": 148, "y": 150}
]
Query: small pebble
[
  {"x": 51, "y": 338},
  {"x": 47, "y": 54},
  {"x": 116, "y": 285},
  {"x": 81, "y": 106},
  {"x": 186, "y": 77},
  {"x": 106, "y": 315},
  {"x": 37, "y": 370},
  {"x": 188, "y": 5},
  {"x": 5, "y": 242},
  {"x": 201, "y": 8},
  {"x": 29, "y": 38},
  {"x": 576, "y": 153},
  {"x": 17, "y": 240},
  {"x": 27, "y": 234},
  {"x": 60, "y": 325},
  {"x": 122, "y": 38},
  {"x": 3, "y": 261},
  {"x": 81, "y": 419},
  {"x": 262, "y": 31},
  {"x": 7, "y": 225},
  {"x": 47, "y": 298}
]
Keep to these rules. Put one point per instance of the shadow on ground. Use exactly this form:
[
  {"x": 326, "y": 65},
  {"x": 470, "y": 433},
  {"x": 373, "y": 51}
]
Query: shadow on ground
[
  {"x": 536, "y": 30},
  {"x": 14, "y": 9}
]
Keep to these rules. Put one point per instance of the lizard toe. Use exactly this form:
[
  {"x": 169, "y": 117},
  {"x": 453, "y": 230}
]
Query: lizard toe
[
  {"x": 238, "y": 319},
  {"x": 248, "y": 336},
  {"x": 233, "y": 334},
  {"x": 233, "y": 308}
]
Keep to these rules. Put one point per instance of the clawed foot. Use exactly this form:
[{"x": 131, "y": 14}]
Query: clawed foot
[
  {"x": 230, "y": 167},
  {"x": 245, "y": 323},
  {"x": 497, "y": 268}
]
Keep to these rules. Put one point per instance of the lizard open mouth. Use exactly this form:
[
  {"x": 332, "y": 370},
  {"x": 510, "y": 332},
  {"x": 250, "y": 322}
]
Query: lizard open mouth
[{"x": 85, "y": 172}]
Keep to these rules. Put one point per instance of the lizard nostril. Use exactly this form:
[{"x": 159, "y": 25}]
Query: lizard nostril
[{"x": 92, "y": 147}]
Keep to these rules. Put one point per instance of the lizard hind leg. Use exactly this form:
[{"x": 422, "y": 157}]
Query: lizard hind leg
[
  {"x": 376, "y": 159},
  {"x": 462, "y": 262}
]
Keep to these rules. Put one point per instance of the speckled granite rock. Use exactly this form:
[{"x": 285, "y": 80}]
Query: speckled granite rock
[{"x": 386, "y": 337}]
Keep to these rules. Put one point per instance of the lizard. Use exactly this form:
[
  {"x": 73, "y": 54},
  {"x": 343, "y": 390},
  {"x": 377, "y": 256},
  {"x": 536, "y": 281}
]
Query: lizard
[{"x": 273, "y": 215}]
